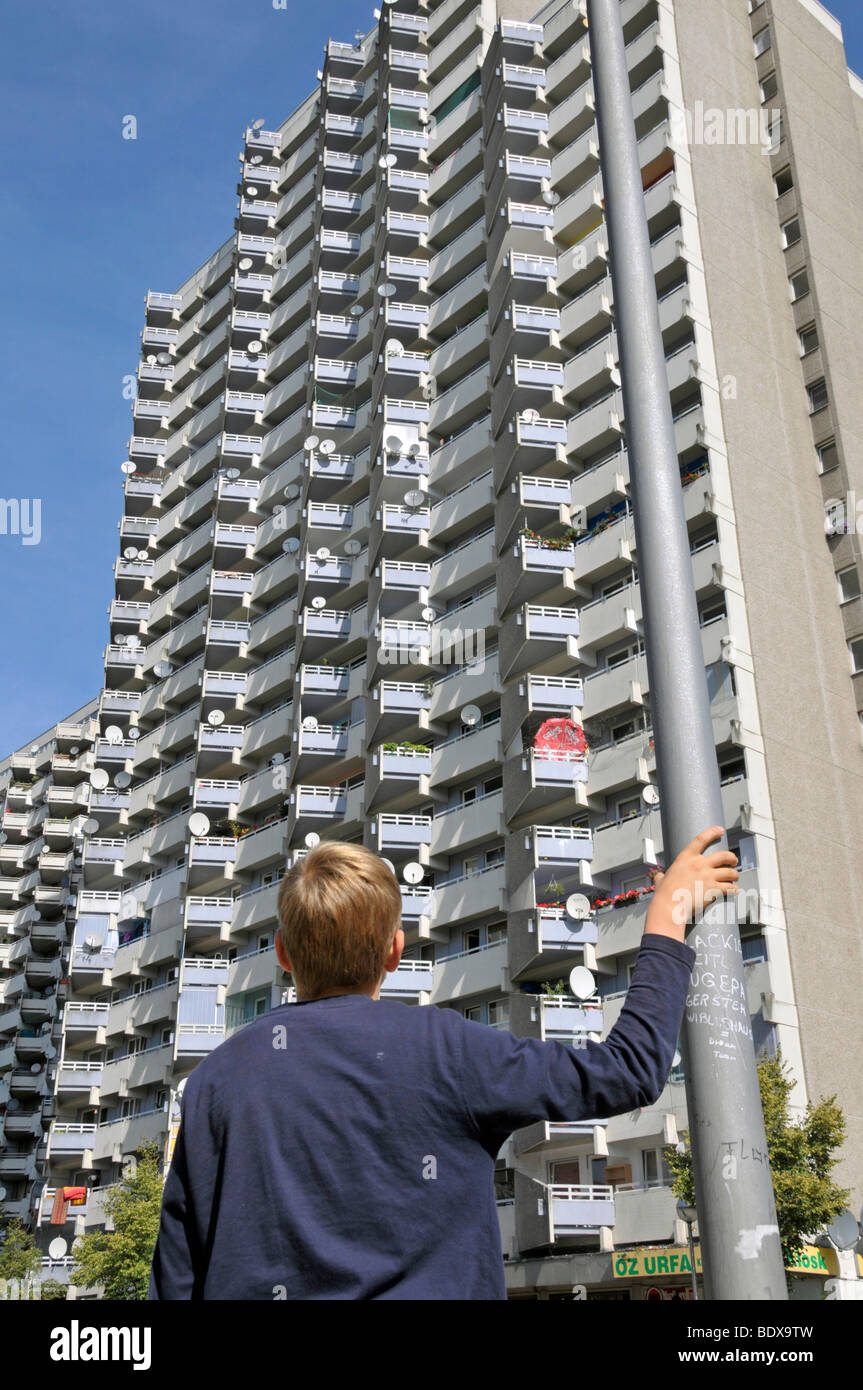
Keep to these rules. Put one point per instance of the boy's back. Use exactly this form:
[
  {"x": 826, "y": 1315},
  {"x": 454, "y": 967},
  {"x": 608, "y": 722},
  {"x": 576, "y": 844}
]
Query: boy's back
[{"x": 344, "y": 1148}]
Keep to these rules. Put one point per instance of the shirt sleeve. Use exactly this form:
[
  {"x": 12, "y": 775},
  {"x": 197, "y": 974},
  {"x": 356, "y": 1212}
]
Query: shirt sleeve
[
  {"x": 179, "y": 1263},
  {"x": 510, "y": 1082}
]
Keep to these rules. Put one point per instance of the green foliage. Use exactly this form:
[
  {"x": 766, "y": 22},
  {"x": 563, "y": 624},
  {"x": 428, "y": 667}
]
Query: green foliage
[
  {"x": 53, "y": 1291},
  {"x": 119, "y": 1260},
  {"x": 19, "y": 1255},
  {"x": 802, "y": 1158},
  {"x": 554, "y": 988}
]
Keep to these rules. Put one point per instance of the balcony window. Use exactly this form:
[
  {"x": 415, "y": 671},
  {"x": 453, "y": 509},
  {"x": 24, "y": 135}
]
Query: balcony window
[
  {"x": 783, "y": 181},
  {"x": 712, "y": 610},
  {"x": 828, "y": 458},
  {"x": 856, "y": 649},
  {"x": 818, "y": 397},
  {"x": 762, "y": 41},
  {"x": 654, "y": 1170},
  {"x": 849, "y": 584},
  {"x": 791, "y": 233},
  {"x": 769, "y": 87},
  {"x": 799, "y": 285},
  {"x": 808, "y": 337}
]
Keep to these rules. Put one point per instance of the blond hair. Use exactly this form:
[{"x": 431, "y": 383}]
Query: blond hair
[{"x": 339, "y": 909}]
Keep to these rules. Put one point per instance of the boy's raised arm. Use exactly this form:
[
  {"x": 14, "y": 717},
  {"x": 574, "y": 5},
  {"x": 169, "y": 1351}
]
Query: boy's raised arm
[{"x": 511, "y": 1082}]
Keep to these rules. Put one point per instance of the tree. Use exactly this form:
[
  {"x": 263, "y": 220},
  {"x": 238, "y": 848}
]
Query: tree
[
  {"x": 19, "y": 1256},
  {"x": 802, "y": 1156},
  {"x": 119, "y": 1260}
]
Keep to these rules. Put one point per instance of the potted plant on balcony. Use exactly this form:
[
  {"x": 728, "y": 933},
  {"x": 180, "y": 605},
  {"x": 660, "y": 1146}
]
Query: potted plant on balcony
[{"x": 555, "y": 892}]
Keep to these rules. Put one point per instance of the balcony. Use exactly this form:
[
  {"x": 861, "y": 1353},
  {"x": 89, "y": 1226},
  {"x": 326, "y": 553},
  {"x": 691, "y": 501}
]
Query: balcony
[
  {"x": 411, "y": 981},
  {"x": 69, "y": 1142},
  {"x": 402, "y": 834},
  {"x": 197, "y": 1039}
]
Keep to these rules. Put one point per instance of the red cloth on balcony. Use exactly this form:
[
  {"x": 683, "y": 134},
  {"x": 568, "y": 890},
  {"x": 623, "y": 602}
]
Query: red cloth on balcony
[
  {"x": 58, "y": 1211},
  {"x": 75, "y": 1196},
  {"x": 560, "y": 736}
]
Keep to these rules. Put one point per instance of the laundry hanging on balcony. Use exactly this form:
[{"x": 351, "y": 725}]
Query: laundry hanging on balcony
[{"x": 561, "y": 736}]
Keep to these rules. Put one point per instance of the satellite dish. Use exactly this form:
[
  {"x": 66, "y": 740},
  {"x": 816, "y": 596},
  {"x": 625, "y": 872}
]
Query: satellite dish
[
  {"x": 291, "y": 545},
  {"x": 216, "y": 717},
  {"x": 199, "y": 824},
  {"x": 415, "y": 499},
  {"x": 581, "y": 982},
  {"x": 323, "y": 552},
  {"x": 650, "y": 795},
  {"x": 246, "y": 263},
  {"x": 114, "y": 734},
  {"x": 34, "y": 748},
  {"x": 676, "y": 1059},
  {"x": 319, "y": 602},
  {"x": 844, "y": 1231},
  {"x": 393, "y": 348},
  {"x": 352, "y": 547},
  {"x": 429, "y": 615},
  {"x": 232, "y": 473},
  {"x": 127, "y": 467},
  {"x": 92, "y": 943},
  {"x": 74, "y": 750},
  {"x": 393, "y": 444},
  {"x": 328, "y": 446},
  {"x": 258, "y": 124},
  {"x": 414, "y": 449},
  {"x": 531, "y": 416},
  {"x": 99, "y": 779},
  {"x": 357, "y": 310},
  {"x": 551, "y": 198},
  {"x": 310, "y": 724},
  {"x": 311, "y": 441},
  {"x": 57, "y": 1249},
  {"x": 151, "y": 359},
  {"x": 255, "y": 346},
  {"x": 387, "y": 290},
  {"x": 413, "y": 873},
  {"x": 390, "y": 865},
  {"x": 134, "y": 734},
  {"x": 122, "y": 780},
  {"x": 313, "y": 839},
  {"x": 90, "y": 826},
  {"x": 256, "y": 159},
  {"x": 578, "y": 907},
  {"x": 131, "y": 641},
  {"x": 163, "y": 359},
  {"x": 163, "y": 669},
  {"x": 251, "y": 190},
  {"x": 277, "y": 759},
  {"x": 292, "y": 490},
  {"x": 130, "y": 553},
  {"x": 471, "y": 715},
  {"x": 2, "y": 1194}
]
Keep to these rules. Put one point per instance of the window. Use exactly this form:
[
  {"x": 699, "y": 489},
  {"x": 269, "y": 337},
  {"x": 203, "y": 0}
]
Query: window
[
  {"x": 827, "y": 456},
  {"x": 784, "y": 182},
  {"x": 799, "y": 285},
  {"x": 494, "y": 857},
  {"x": 856, "y": 649},
  {"x": 493, "y": 784},
  {"x": 818, "y": 397},
  {"x": 654, "y": 1169},
  {"x": 808, "y": 339},
  {"x": 135, "y": 1046},
  {"x": 498, "y": 1013},
  {"x": 791, "y": 233},
  {"x": 496, "y": 933},
  {"x": 474, "y": 1013},
  {"x": 849, "y": 584},
  {"x": 161, "y": 1102},
  {"x": 629, "y": 806},
  {"x": 470, "y": 865},
  {"x": 471, "y": 940},
  {"x": 769, "y": 87},
  {"x": 762, "y": 41},
  {"x": 710, "y": 611}
]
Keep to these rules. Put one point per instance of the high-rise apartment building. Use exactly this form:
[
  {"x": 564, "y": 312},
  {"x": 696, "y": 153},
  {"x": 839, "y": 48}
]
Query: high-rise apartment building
[{"x": 377, "y": 577}]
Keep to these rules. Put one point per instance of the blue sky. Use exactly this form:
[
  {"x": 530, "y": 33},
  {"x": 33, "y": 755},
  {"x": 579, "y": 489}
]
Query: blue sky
[{"x": 92, "y": 222}]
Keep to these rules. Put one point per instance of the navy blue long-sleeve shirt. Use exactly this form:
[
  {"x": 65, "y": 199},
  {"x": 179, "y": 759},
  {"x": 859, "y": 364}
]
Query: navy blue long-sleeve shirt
[{"x": 344, "y": 1148}]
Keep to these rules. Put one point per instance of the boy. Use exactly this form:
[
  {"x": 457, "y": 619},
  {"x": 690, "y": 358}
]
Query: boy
[{"x": 343, "y": 1147}]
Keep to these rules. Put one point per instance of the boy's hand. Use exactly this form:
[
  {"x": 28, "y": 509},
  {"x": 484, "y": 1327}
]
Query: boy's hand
[{"x": 694, "y": 880}]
